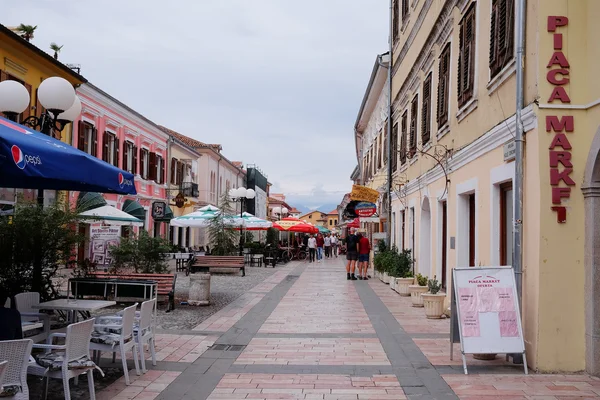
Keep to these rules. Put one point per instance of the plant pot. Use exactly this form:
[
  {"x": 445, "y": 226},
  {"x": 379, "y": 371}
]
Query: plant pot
[
  {"x": 485, "y": 357},
  {"x": 402, "y": 286},
  {"x": 434, "y": 305},
  {"x": 393, "y": 282},
  {"x": 386, "y": 278},
  {"x": 415, "y": 294}
]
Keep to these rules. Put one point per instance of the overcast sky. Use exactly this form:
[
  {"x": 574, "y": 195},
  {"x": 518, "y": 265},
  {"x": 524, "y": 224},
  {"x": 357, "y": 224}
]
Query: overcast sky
[{"x": 277, "y": 82}]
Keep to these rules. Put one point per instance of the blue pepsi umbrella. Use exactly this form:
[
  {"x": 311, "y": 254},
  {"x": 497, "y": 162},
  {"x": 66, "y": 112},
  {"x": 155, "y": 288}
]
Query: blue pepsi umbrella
[{"x": 32, "y": 160}]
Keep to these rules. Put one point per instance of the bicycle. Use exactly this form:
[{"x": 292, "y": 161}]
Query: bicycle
[{"x": 295, "y": 254}]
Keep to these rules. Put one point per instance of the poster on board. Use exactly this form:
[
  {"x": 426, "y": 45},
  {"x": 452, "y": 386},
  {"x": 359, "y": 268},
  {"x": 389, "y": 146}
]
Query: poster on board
[
  {"x": 487, "y": 311},
  {"x": 102, "y": 238}
]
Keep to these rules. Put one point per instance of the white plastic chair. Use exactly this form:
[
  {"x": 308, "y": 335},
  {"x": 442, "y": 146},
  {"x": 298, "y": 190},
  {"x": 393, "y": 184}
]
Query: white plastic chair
[
  {"x": 144, "y": 331},
  {"x": 16, "y": 353},
  {"x": 117, "y": 331},
  {"x": 69, "y": 360},
  {"x": 24, "y": 303},
  {"x": 3, "y": 365}
]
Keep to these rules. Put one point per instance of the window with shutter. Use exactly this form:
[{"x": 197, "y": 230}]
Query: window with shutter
[
  {"x": 404, "y": 122},
  {"x": 27, "y": 111},
  {"x": 173, "y": 171},
  {"x": 152, "y": 166},
  {"x": 443, "y": 87},
  {"x": 395, "y": 149},
  {"x": 144, "y": 163},
  {"x": 404, "y": 10},
  {"x": 395, "y": 20},
  {"x": 81, "y": 136},
  {"x": 385, "y": 143},
  {"x": 39, "y": 110},
  {"x": 414, "y": 110},
  {"x": 161, "y": 170},
  {"x": 126, "y": 153},
  {"x": 466, "y": 58},
  {"x": 135, "y": 160},
  {"x": 426, "y": 111},
  {"x": 94, "y": 142},
  {"x": 379, "y": 151},
  {"x": 502, "y": 34},
  {"x": 115, "y": 157},
  {"x": 105, "y": 146}
]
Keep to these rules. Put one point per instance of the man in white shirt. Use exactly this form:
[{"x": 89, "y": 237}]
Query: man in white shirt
[
  {"x": 312, "y": 248},
  {"x": 334, "y": 242},
  {"x": 327, "y": 241}
]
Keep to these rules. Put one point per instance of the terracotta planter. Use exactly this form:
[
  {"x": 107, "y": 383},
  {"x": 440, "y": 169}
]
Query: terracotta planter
[
  {"x": 485, "y": 357},
  {"x": 434, "y": 305},
  {"x": 402, "y": 286},
  {"x": 415, "y": 294}
]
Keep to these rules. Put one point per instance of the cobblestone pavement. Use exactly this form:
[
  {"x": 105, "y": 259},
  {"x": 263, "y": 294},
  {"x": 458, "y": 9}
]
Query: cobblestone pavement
[{"x": 306, "y": 332}]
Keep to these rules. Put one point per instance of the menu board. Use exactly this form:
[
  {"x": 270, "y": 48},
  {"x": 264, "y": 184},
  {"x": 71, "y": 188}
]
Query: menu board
[
  {"x": 487, "y": 308},
  {"x": 102, "y": 238}
]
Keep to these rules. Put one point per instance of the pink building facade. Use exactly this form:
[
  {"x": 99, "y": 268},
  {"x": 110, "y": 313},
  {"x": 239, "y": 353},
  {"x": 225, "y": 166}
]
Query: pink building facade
[{"x": 113, "y": 132}]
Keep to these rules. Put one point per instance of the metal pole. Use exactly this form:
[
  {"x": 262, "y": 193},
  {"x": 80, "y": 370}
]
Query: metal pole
[
  {"x": 517, "y": 260},
  {"x": 389, "y": 133},
  {"x": 518, "y": 221}
]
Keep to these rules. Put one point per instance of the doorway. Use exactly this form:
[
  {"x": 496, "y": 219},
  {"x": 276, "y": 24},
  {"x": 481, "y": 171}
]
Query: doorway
[
  {"x": 444, "y": 239},
  {"x": 472, "y": 237},
  {"x": 425, "y": 238}
]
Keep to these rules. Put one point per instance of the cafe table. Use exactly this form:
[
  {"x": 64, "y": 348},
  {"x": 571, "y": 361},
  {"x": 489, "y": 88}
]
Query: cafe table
[{"x": 72, "y": 306}]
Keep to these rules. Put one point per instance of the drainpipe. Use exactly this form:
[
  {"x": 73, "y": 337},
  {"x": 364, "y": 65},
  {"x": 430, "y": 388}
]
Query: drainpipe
[
  {"x": 388, "y": 233},
  {"x": 170, "y": 141},
  {"x": 518, "y": 222}
]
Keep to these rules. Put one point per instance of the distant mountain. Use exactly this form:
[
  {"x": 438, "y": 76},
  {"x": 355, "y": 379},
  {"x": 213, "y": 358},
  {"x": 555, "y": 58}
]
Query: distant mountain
[{"x": 325, "y": 208}]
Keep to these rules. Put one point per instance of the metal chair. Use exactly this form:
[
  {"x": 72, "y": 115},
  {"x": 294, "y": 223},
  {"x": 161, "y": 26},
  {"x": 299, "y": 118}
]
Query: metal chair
[
  {"x": 16, "y": 354},
  {"x": 117, "y": 331},
  {"x": 69, "y": 360}
]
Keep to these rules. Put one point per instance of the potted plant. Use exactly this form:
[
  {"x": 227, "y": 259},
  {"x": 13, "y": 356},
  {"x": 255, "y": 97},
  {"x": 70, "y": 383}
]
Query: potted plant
[
  {"x": 379, "y": 259},
  {"x": 404, "y": 276},
  {"x": 434, "y": 301},
  {"x": 417, "y": 290}
]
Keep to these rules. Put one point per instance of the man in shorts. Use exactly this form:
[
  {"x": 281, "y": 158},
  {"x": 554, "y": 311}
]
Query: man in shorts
[
  {"x": 364, "y": 249},
  {"x": 351, "y": 255}
]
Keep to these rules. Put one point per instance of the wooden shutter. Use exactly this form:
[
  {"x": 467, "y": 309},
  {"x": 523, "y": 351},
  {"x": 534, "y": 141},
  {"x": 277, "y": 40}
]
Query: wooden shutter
[
  {"x": 134, "y": 167},
  {"x": 426, "y": 111},
  {"x": 403, "y": 137},
  {"x": 94, "y": 142},
  {"x": 105, "y": 146},
  {"x": 80, "y": 135},
  {"x": 125, "y": 156},
  {"x": 396, "y": 19},
  {"x": 180, "y": 173},
  {"x": 404, "y": 10},
  {"x": 385, "y": 144},
  {"x": 143, "y": 163},
  {"x": 161, "y": 178},
  {"x": 395, "y": 149},
  {"x": 152, "y": 166},
  {"x": 173, "y": 170},
  {"x": 3, "y": 76},
  {"x": 466, "y": 59},
  {"x": 443, "y": 87},
  {"x": 117, "y": 144},
  {"x": 27, "y": 111},
  {"x": 494, "y": 37},
  {"x": 414, "y": 110}
]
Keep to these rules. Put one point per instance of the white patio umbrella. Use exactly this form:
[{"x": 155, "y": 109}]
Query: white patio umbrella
[
  {"x": 109, "y": 215},
  {"x": 253, "y": 223},
  {"x": 203, "y": 217}
]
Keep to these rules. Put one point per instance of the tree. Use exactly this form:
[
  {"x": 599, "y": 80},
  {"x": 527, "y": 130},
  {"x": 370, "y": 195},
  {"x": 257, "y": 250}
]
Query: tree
[
  {"x": 34, "y": 243},
  {"x": 56, "y": 48},
  {"x": 222, "y": 237},
  {"x": 26, "y": 31}
]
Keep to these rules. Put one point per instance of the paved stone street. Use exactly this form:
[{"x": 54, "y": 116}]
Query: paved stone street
[{"x": 308, "y": 333}]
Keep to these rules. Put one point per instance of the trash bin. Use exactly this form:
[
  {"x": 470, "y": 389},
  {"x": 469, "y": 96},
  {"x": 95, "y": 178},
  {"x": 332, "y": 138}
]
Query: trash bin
[{"x": 199, "y": 290}]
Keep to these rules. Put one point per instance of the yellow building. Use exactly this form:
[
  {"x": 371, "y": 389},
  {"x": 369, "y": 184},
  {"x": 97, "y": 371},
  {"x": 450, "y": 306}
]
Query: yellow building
[
  {"x": 315, "y": 217},
  {"x": 23, "y": 62},
  {"x": 332, "y": 220},
  {"x": 453, "y": 91}
]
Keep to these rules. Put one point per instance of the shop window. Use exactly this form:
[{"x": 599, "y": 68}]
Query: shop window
[
  {"x": 443, "y": 90},
  {"x": 466, "y": 57},
  {"x": 506, "y": 223},
  {"x": 502, "y": 35},
  {"x": 426, "y": 111}
]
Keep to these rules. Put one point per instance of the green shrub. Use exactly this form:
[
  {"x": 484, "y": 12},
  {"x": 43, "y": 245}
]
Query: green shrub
[
  {"x": 422, "y": 280},
  {"x": 142, "y": 253},
  {"x": 434, "y": 285}
]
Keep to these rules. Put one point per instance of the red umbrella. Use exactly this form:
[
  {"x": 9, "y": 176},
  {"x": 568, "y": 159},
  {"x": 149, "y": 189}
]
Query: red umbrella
[
  {"x": 354, "y": 224},
  {"x": 291, "y": 224}
]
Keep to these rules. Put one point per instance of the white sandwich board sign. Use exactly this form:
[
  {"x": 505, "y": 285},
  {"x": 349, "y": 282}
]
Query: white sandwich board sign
[{"x": 489, "y": 318}]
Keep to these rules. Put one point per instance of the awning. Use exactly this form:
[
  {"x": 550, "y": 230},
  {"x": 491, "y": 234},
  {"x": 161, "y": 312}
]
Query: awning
[
  {"x": 134, "y": 208},
  {"x": 89, "y": 200},
  {"x": 168, "y": 215},
  {"x": 109, "y": 215}
]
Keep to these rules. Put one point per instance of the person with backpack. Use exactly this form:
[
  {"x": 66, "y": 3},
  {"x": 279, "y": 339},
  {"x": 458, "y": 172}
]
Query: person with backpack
[{"x": 351, "y": 255}]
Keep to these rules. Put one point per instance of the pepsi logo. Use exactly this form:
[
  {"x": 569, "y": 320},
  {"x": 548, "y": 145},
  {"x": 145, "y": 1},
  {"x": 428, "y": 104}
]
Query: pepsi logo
[
  {"x": 123, "y": 181},
  {"x": 22, "y": 160}
]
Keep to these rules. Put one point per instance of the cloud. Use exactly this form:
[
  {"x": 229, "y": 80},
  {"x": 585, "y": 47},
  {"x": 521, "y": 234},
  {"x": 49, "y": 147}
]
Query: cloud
[{"x": 277, "y": 83}]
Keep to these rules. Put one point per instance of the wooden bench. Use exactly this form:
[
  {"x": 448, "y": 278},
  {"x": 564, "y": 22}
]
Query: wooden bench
[
  {"x": 205, "y": 263},
  {"x": 165, "y": 283}
]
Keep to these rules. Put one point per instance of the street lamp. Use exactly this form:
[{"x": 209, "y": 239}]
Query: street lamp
[
  {"x": 280, "y": 211},
  {"x": 239, "y": 195},
  {"x": 55, "y": 94}
]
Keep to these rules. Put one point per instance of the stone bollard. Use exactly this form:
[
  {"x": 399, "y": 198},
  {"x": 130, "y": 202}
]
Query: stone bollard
[{"x": 199, "y": 290}]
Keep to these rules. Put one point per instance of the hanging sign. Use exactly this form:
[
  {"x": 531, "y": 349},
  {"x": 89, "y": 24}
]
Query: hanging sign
[
  {"x": 363, "y": 193},
  {"x": 365, "y": 209},
  {"x": 487, "y": 309},
  {"x": 158, "y": 209},
  {"x": 179, "y": 200}
]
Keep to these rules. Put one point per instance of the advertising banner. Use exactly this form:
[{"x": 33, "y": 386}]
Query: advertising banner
[
  {"x": 101, "y": 239},
  {"x": 363, "y": 193}
]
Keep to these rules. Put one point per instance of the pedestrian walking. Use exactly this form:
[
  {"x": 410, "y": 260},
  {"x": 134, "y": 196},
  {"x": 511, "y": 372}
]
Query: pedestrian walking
[
  {"x": 364, "y": 249},
  {"x": 320, "y": 245},
  {"x": 327, "y": 243},
  {"x": 334, "y": 245},
  {"x": 312, "y": 248},
  {"x": 351, "y": 255}
]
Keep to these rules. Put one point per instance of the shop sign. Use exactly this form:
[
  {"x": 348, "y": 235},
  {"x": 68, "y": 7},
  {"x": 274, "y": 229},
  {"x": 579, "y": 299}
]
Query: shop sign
[
  {"x": 102, "y": 239},
  {"x": 158, "y": 209},
  {"x": 561, "y": 165},
  {"x": 179, "y": 200},
  {"x": 365, "y": 209},
  {"x": 363, "y": 193}
]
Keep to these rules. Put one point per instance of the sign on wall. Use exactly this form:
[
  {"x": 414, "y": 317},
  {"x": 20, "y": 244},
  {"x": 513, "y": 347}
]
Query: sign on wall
[
  {"x": 102, "y": 239},
  {"x": 487, "y": 310},
  {"x": 158, "y": 209},
  {"x": 365, "y": 209}
]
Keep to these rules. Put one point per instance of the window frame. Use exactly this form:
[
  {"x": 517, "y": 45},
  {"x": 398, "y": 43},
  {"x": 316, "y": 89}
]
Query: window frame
[
  {"x": 414, "y": 118},
  {"x": 144, "y": 163},
  {"x": 443, "y": 102},
  {"x": 467, "y": 50},
  {"x": 404, "y": 137},
  {"x": 426, "y": 110},
  {"x": 501, "y": 56}
]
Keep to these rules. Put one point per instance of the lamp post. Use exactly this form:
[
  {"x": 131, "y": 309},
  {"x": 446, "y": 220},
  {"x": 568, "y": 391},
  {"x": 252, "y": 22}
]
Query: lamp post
[
  {"x": 240, "y": 195},
  {"x": 58, "y": 98},
  {"x": 281, "y": 212}
]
